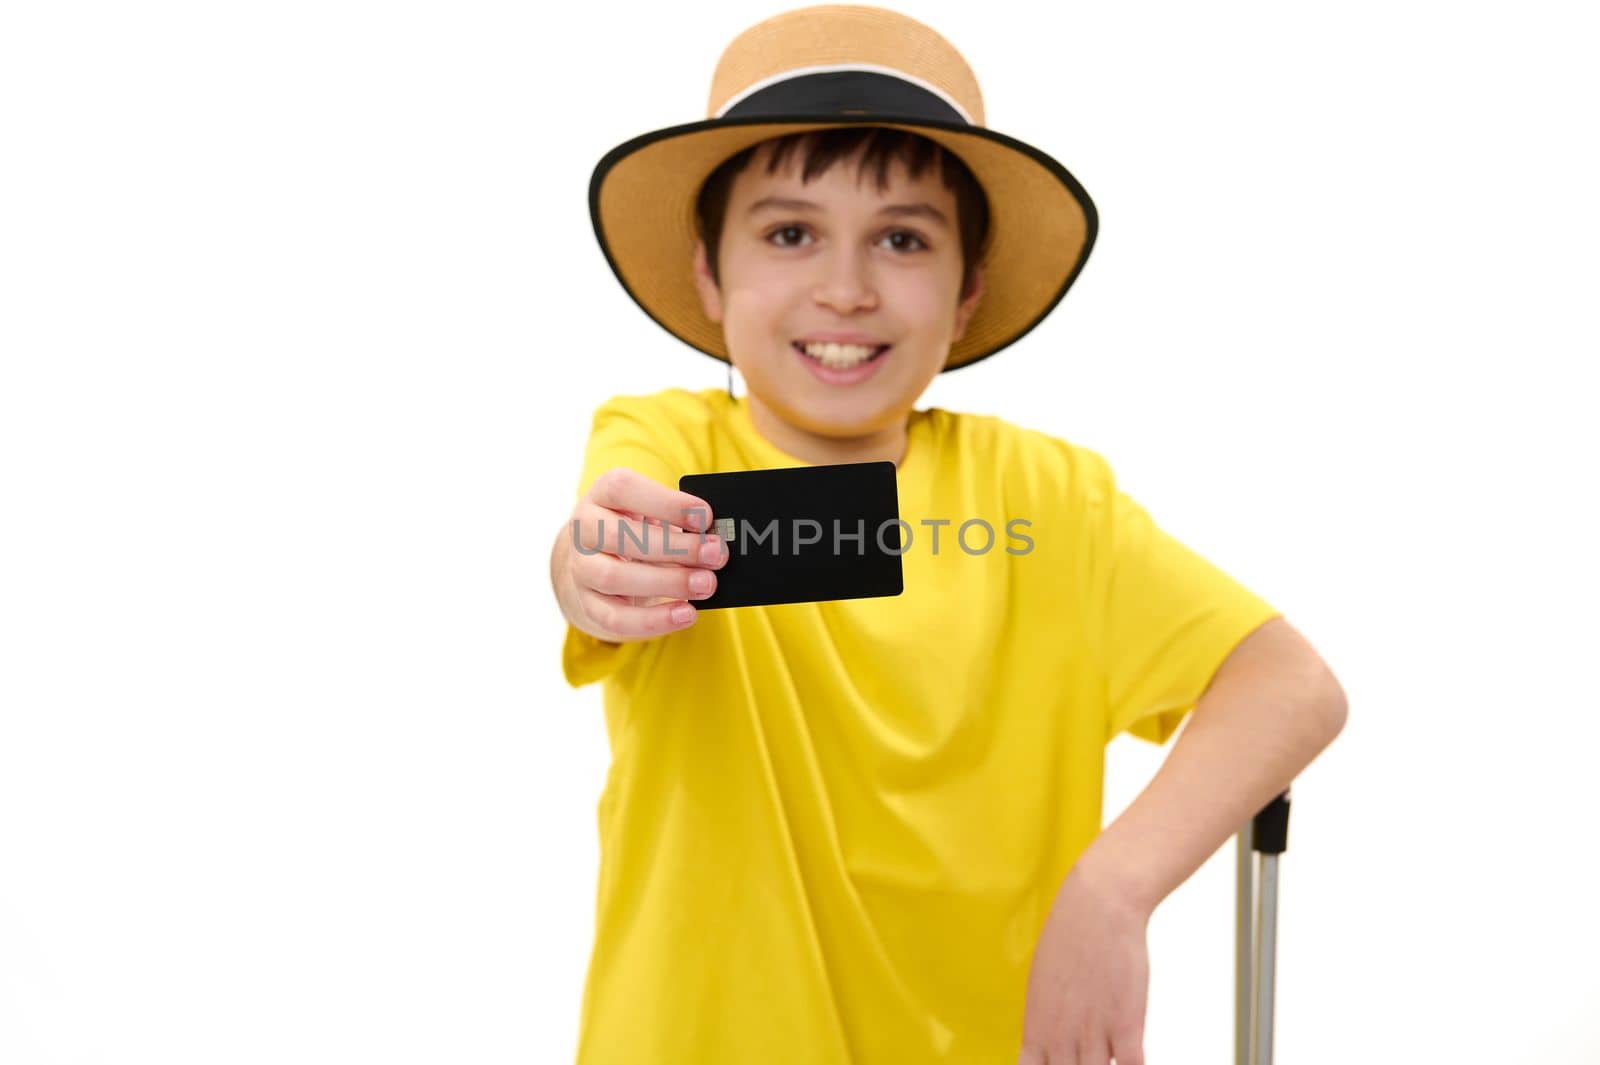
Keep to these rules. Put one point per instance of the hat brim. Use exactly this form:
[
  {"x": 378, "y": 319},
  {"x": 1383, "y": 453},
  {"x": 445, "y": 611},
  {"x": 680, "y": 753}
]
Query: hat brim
[{"x": 642, "y": 200}]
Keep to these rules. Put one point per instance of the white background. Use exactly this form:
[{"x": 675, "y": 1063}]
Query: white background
[{"x": 302, "y": 323}]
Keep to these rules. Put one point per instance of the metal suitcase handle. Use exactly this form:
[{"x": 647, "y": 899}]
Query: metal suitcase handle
[{"x": 1256, "y": 932}]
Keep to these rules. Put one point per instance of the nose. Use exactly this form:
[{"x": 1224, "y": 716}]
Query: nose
[{"x": 846, "y": 282}]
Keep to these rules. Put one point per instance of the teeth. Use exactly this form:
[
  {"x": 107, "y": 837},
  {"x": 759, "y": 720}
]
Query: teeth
[{"x": 839, "y": 356}]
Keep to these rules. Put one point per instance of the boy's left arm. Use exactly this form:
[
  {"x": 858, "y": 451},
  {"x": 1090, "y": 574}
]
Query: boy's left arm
[{"x": 1271, "y": 707}]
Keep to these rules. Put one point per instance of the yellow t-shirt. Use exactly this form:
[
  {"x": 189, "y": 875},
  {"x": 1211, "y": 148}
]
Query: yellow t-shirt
[{"x": 831, "y": 832}]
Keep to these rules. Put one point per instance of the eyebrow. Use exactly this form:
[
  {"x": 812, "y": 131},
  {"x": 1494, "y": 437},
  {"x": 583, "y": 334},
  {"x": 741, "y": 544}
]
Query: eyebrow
[{"x": 894, "y": 210}]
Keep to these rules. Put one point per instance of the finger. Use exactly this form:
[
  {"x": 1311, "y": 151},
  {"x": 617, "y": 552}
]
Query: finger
[
  {"x": 624, "y": 489},
  {"x": 1093, "y": 1050},
  {"x": 595, "y": 528},
  {"x": 654, "y": 523},
  {"x": 615, "y": 614},
  {"x": 1127, "y": 1047},
  {"x": 610, "y": 575},
  {"x": 1032, "y": 1056}
]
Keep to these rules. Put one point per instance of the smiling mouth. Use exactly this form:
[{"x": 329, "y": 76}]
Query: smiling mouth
[{"x": 839, "y": 356}]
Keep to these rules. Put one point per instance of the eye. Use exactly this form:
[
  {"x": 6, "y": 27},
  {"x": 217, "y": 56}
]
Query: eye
[
  {"x": 782, "y": 230},
  {"x": 920, "y": 243}
]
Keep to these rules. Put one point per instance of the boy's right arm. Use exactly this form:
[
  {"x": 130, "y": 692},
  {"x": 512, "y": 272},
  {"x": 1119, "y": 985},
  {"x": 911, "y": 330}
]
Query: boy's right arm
[{"x": 619, "y": 585}]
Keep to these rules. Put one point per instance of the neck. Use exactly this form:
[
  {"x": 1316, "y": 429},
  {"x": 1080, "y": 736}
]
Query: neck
[{"x": 884, "y": 445}]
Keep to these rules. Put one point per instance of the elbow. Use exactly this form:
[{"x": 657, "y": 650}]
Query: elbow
[{"x": 1332, "y": 707}]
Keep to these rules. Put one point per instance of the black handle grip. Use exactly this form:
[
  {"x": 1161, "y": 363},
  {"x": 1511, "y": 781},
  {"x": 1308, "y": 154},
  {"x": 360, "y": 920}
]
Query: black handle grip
[{"x": 1270, "y": 830}]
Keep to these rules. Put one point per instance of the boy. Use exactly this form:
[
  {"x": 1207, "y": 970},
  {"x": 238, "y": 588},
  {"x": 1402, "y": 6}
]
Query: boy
[{"x": 868, "y": 831}]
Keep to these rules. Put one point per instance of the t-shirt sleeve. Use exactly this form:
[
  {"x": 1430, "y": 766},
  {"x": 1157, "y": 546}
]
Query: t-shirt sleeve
[
  {"x": 631, "y": 431},
  {"x": 1161, "y": 618}
]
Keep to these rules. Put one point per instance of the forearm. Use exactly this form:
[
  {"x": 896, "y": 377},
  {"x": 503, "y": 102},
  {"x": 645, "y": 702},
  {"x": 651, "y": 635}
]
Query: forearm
[{"x": 1272, "y": 707}]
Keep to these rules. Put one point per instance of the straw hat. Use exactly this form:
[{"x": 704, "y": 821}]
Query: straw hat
[{"x": 838, "y": 65}]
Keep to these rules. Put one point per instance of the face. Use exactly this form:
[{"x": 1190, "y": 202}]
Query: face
[{"x": 837, "y": 260}]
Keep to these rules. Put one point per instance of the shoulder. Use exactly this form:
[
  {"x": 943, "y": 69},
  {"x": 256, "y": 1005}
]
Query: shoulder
[
  {"x": 662, "y": 434},
  {"x": 668, "y": 406},
  {"x": 673, "y": 419}
]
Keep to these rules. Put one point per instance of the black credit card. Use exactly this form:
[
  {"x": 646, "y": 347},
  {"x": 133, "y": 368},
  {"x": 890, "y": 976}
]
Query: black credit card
[{"x": 804, "y": 534}]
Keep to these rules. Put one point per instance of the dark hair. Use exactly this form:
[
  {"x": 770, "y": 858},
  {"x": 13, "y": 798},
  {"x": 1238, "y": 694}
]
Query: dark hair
[{"x": 821, "y": 148}]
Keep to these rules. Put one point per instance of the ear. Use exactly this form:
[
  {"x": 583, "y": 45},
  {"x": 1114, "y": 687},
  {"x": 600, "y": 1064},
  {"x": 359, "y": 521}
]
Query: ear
[
  {"x": 967, "y": 306},
  {"x": 710, "y": 295}
]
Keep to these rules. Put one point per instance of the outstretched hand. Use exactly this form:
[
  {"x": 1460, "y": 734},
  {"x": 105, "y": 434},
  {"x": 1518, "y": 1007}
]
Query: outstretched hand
[{"x": 1089, "y": 980}]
